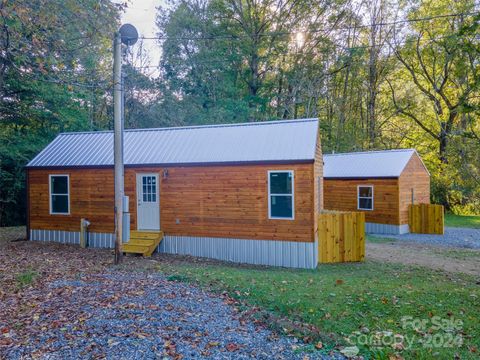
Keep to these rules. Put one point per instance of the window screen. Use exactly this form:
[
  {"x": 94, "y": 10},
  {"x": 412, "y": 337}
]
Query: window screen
[
  {"x": 365, "y": 197},
  {"x": 280, "y": 194},
  {"x": 59, "y": 194}
]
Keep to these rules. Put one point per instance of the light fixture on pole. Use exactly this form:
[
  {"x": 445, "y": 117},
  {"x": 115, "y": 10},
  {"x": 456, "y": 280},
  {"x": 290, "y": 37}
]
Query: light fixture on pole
[{"x": 127, "y": 35}]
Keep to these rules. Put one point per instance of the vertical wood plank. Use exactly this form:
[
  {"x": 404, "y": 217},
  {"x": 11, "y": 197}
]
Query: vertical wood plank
[
  {"x": 333, "y": 239},
  {"x": 341, "y": 238},
  {"x": 347, "y": 226},
  {"x": 361, "y": 236}
]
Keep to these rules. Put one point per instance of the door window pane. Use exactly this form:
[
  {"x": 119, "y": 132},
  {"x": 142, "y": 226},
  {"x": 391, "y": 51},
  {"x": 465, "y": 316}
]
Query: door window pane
[{"x": 149, "y": 188}]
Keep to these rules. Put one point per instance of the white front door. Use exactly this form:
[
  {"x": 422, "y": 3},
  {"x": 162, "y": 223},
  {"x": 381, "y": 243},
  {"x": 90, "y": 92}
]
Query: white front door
[{"x": 148, "y": 203}]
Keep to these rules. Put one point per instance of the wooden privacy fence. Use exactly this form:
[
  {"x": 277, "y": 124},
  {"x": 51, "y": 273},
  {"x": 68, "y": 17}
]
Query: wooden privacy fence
[
  {"x": 341, "y": 237},
  {"x": 425, "y": 219}
]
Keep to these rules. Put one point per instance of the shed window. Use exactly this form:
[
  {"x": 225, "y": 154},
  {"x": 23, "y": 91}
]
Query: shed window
[
  {"x": 59, "y": 194},
  {"x": 365, "y": 198},
  {"x": 280, "y": 194}
]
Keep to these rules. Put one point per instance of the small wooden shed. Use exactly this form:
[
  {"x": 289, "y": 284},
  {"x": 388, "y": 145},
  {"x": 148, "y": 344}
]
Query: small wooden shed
[
  {"x": 243, "y": 192},
  {"x": 380, "y": 183}
]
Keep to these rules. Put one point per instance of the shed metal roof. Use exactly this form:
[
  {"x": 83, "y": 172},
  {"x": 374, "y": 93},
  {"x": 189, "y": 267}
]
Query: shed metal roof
[
  {"x": 284, "y": 140},
  {"x": 368, "y": 164}
]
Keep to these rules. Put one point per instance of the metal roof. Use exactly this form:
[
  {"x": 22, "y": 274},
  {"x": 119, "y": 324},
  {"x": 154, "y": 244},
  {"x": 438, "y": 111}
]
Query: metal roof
[
  {"x": 368, "y": 164},
  {"x": 284, "y": 140}
]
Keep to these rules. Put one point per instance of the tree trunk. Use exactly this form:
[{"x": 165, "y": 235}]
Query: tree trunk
[
  {"x": 445, "y": 131},
  {"x": 443, "y": 143},
  {"x": 372, "y": 87},
  {"x": 371, "y": 122}
]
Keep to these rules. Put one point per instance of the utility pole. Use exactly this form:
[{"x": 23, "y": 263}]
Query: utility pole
[
  {"x": 118, "y": 143},
  {"x": 127, "y": 35}
]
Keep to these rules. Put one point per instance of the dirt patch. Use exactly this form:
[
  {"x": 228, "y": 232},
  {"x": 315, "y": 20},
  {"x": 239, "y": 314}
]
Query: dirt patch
[{"x": 434, "y": 257}]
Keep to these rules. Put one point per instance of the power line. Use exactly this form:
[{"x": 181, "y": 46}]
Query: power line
[
  {"x": 68, "y": 83},
  {"x": 300, "y": 53},
  {"x": 210, "y": 62},
  {"x": 285, "y": 33},
  {"x": 219, "y": 61}
]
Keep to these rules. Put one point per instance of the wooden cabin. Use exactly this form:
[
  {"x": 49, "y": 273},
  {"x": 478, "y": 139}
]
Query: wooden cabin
[
  {"x": 380, "y": 183},
  {"x": 243, "y": 192}
]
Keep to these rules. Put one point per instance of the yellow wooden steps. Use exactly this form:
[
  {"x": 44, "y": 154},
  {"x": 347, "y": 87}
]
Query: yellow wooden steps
[{"x": 143, "y": 242}]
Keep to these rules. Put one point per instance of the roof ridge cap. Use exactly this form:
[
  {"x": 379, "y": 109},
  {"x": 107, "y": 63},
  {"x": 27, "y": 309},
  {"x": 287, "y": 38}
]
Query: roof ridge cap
[
  {"x": 371, "y": 152},
  {"x": 206, "y": 126}
]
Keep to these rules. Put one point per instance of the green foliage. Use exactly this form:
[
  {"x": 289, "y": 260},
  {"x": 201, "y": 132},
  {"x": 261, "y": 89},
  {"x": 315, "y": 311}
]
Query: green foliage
[
  {"x": 437, "y": 60},
  {"x": 235, "y": 61},
  {"x": 54, "y": 73},
  {"x": 15, "y": 150}
]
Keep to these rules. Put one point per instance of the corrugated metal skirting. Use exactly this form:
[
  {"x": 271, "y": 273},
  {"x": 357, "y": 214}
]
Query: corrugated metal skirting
[
  {"x": 95, "y": 240},
  {"x": 260, "y": 252},
  {"x": 374, "y": 228}
]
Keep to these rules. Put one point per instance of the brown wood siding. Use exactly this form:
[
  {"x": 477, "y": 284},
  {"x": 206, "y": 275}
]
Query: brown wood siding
[
  {"x": 341, "y": 194},
  {"x": 415, "y": 177},
  {"x": 317, "y": 182},
  {"x": 91, "y": 197},
  {"x": 210, "y": 201},
  {"x": 233, "y": 202}
]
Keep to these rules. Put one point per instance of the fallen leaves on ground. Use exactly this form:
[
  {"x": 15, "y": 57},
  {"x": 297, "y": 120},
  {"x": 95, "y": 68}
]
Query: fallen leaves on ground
[{"x": 71, "y": 302}]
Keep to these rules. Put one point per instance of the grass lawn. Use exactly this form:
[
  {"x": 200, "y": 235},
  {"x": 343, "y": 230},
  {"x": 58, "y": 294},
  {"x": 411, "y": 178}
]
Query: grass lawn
[
  {"x": 462, "y": 221},
  {"x": 362, "y": 302},
  {"x": 377, "y": 239},
  {"x": 458, "y": 254},
  {"x": 344, "y": 304}
]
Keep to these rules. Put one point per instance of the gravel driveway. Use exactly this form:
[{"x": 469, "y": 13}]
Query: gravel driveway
[
  {"x": 142, "y": 316},
  {"x": 453, "y": 237}
]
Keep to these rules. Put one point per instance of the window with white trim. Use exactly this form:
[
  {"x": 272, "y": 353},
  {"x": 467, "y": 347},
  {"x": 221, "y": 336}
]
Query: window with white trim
[
  {"x": 59, "y": 194},
  {"x": 365, "y": 197},
  {"x": 280, "y": 194}
]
